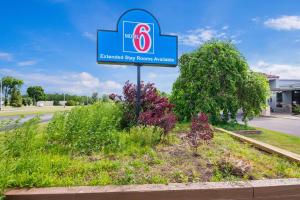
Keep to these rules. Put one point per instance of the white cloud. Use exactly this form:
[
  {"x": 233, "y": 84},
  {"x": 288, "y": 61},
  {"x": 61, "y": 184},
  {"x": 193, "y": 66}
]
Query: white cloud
[
  {"x": 27, "y": 63},
  {"x": 151, "y": 75},
  {"x": 6, "y": 56},
  {"x": 284, "y": 23},
  {"x": 287, "y": 71},
  {"x": 198, "y": 36},
  {"x": 69, "y": 82},
  {"x": 89, "y": 36},
  {"x": 225, "y": 27},
  {"x": 107, "y": 85},
  {"x": 114, "y": 66}
]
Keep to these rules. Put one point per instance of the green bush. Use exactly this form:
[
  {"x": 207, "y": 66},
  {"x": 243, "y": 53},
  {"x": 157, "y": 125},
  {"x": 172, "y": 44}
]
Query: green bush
[
  {"x": 71, "y": 103},
  {"x": 86, "y": 129},
  {"x": 27, "y": 101},
  {"x": 296, "y": 109},
  {"x": 56, "y": 103}
]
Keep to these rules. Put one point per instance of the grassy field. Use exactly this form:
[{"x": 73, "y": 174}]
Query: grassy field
[
  {"x": 33, "y": 110},
  {"x": 281, "y": 140}
]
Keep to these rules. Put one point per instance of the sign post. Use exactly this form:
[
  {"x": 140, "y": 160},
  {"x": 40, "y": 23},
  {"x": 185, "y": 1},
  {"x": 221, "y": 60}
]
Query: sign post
[
  {"x": 138, "y": 90},
  {"x": 137, "y": 41}
]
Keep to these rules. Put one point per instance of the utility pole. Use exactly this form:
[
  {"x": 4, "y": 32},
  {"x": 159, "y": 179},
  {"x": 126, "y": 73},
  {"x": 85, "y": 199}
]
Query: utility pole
[
  {"x": 64, "y": 99},
  {"x": 0, "y": 94}
]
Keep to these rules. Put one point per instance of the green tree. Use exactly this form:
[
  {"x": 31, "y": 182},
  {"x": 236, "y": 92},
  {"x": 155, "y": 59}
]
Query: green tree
[
  {"x": 94, "y": 97},
  {"x": 71, "y": 103},
  {"x": 216, "y": 79},
  {"x": 16, "y": 98},
  {"x": 253, "y": 95},
  {"x": 8, "y": 84},
  {"x": 105, "y": 98},
  {"x": 26, "y": 101},
  {"x": 36, "y": 93}
]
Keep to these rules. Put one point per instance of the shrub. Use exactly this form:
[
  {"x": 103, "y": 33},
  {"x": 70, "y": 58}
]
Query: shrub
[
  {"x": 27, "y": 101},
  {"x": 155, "y": 110},
  {"x": 86, "y": 129},
  {"x": 56, "y": 103},
  {"x": 201, "y": 130},
  {"x": 71, "y": 103},
  {"x": 296, "y": 109}
]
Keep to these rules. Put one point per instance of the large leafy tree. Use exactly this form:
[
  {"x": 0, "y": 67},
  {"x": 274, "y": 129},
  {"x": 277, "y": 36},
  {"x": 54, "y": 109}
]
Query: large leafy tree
[
  {"x": 36, "y": 93},
  {"x": 253, "y": 95},
  {"x": 8, "y": 85},
  {"x": 216, "y": 79},
  {"x": 16, "y": 97}
]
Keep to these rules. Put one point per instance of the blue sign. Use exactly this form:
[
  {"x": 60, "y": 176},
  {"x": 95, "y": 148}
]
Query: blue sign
[{"x": 137, "y": 41}]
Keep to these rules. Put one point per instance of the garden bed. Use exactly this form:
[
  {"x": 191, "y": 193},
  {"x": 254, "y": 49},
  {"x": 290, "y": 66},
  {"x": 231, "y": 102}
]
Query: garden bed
[
  {"x": 86, "y": 147},
  {"x": 171, "y": 161}
]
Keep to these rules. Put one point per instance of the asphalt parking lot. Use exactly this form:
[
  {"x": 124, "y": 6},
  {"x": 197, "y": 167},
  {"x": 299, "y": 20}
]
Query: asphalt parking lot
[{"x": 288, "y": 126}]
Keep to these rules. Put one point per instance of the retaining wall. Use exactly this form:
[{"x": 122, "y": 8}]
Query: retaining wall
[{"x": 285, "y": 189}]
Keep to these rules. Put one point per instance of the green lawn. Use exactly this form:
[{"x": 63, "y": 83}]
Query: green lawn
[
  {"x": 33, "y": 110},
  {"x": 278, "y": 139}
]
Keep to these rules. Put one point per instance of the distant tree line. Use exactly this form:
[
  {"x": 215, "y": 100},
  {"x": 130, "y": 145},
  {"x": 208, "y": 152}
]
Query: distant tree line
[{"x": 11, "y": 88}]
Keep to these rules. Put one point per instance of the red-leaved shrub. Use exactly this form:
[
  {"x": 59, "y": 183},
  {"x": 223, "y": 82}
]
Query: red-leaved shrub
[
  {"x": 201, "y": 130},
  {"x": 155, "y": 110}
]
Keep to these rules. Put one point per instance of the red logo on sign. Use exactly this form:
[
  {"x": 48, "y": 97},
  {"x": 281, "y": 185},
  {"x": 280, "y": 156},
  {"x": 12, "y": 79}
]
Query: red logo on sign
[{"x": 141, "y": 38}]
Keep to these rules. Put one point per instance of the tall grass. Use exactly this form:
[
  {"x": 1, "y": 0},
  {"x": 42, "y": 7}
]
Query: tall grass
[
  {"x": 73, "y": 149},
  {"x": 86, "y": 129}
]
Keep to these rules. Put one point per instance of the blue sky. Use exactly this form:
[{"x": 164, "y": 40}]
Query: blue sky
[{"x": 52, "y": 43}]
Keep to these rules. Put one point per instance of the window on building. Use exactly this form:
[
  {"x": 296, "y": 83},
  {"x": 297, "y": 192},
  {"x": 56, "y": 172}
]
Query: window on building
[
  {"x": 296, "y": 97},
  {"x": 279, "y": 99}
]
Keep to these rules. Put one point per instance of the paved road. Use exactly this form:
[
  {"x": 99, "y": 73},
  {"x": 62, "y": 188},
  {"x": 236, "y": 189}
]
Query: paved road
[
  {"x": 288, "y": 126},
  {"x": 43, "y": 118}
]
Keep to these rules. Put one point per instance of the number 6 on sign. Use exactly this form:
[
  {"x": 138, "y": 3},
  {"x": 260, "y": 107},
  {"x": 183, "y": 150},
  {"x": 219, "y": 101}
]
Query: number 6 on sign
[{"x": 141, "y": 39}]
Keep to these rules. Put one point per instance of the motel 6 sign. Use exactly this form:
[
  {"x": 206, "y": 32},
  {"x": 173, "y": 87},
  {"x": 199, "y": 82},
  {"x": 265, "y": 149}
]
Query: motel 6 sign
[{"x": 138, "y": 41}]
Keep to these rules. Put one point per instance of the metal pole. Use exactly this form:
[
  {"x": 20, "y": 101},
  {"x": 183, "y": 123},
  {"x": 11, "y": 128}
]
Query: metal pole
[
  {"x": 0, "y": 94},
  {"x": 64, "y": 99},
  {"x": 138, "y": 93}
]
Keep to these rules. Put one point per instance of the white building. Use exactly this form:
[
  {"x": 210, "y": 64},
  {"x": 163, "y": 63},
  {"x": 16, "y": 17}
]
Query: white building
[
  {"x": 285, "y": 93},
  {"x": 44, "y": 103}
]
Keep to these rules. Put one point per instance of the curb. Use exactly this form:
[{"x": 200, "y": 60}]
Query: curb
[
  {"x": 287, "y": 189},
  {"x": 264, "y": 146}
]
